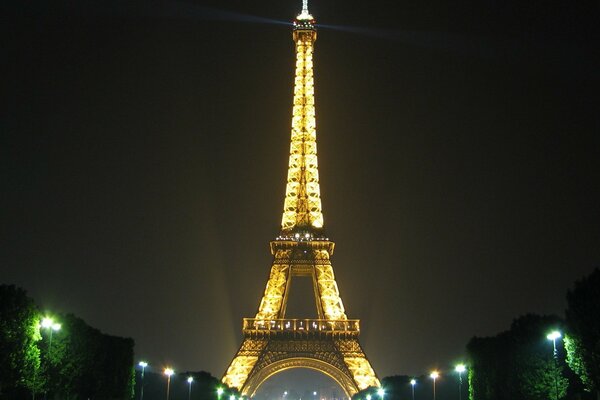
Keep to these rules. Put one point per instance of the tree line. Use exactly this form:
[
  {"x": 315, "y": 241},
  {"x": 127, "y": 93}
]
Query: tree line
[
  {"x": 521, "y": 363},
  {"x": 65, "y": 358}
]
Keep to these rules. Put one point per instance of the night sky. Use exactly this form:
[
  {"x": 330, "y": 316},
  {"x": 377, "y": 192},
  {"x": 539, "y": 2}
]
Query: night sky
[{"x": 144, "y": 151}]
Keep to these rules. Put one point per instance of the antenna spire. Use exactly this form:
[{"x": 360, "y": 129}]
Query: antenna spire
[{"x": 304, "y": 15}]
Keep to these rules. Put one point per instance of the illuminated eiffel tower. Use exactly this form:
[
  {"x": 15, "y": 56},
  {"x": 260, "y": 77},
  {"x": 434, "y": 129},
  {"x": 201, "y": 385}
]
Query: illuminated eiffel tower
[{"x": 330, "y": 343}]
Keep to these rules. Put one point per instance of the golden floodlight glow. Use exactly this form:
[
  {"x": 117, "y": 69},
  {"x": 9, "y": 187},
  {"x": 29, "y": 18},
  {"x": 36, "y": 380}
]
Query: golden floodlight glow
[
  {"x": 302, "y": 204},
  {"x": 330, "y": 342}
]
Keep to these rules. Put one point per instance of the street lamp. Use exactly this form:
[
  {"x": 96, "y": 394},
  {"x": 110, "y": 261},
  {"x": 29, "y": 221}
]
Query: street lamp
[
  {"x": 553, "y": 336},
  {"x": 142, "y": 364},
  {"x": 381, "y": 393},
  {"x": 460, "y": 368},
  {"x": 413, "y": 382},
  {"x": 52, "y": 326},
  {"x": 189, "y": 381},
  {"x": 49, "y": 324},
  {"x": 434, "y": 375},
  {"x": 219, "y": 392},
  {"x": 168, "y": 372}
]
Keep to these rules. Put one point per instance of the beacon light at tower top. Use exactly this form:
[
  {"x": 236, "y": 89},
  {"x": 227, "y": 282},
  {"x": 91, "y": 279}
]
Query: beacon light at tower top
[{"x": 304, "y": 15}]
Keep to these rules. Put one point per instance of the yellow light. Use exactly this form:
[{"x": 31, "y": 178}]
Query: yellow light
[
  {"x": 169, "y": 372},
  {"x": 434, "y": 375}
]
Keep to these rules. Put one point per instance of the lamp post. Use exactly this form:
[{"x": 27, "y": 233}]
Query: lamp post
[
  {"x": 413, "y": 382},
  {"x": 434, "y": 375},
  {"x": 50, "y": 325},
  {"x": 168, "y": 372},
  {"x": 460, "y": 368},
  {"x": 142, "y": 364},
  {"x": 553, "y": 336},
  {"x": 189, "y": 381}
]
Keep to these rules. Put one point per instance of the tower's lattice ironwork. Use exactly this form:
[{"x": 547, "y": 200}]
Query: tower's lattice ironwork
[{"x": 271, "y": 342}]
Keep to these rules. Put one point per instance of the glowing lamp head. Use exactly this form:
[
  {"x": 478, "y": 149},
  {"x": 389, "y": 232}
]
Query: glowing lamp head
[
  {"x": 460, "y": 368},
  {"x": 47, "y": 322},
  {"x": 232, "y": 397},
  {"x": 143, "y": 364},
  {"x": 368, "y": 397},
  {"x": 56, "y": 327},
  {"x": 553, "y": 335},
  {"x": 168, "y": 372},
  {"x": 314, "y": 393},
  {"x": 381, "y": 392},
  {"x": 190, "y": 379},
  {"x": 413, "y": 382},
  {"x": 434, "y": 375},
  {"x": 219, "y": 391}
]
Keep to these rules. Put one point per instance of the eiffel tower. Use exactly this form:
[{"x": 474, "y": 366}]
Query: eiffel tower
[{"x": 271, "y": 342}]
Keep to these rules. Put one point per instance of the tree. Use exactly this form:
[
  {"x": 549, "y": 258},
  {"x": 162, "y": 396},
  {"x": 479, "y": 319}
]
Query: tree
[
  {"x": 19, "y": 333},
  {"x": 517, "y": 364},
  {"x": 583, "y": 322},
  {"x": 89, "y": 364}
]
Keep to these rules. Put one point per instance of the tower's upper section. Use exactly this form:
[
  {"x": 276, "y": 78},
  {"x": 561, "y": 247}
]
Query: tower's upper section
[{"x": 302, "y": 206}]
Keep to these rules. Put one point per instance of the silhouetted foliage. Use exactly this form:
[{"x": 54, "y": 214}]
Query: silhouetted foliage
[
  {"x": 19, "y": 355},
  {"x": 85, "y": 363},
  {"x": 518, "y": 364},
  {"x": 398, "y": 387},
  {"x": 583, "y": 321},
  {"x": 203, "y": 387}
]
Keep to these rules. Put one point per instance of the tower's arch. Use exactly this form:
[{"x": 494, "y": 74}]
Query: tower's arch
[{"x": 340, "y": 377}]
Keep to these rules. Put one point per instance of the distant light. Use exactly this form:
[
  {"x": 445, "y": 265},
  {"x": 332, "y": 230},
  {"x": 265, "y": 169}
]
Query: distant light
[
  {"x": 460, "y": 368},
  {"x": 143, "y": 364},
  {"x": 232, "y": 397},
  {"x": 413, "y": 382},
  {"x": 56, "y": 327},
  {"x": 169, "y": 371},
  {"x": 380, "y": 392},
  {"x": 314, "y": 393},
  {"x": 554, "y": 335},
  {"x": 220, "y": 391},
  {"x": 434, "y": 375},
  {"x": 368, "y": 397},
  {"x": 190, "y": 379}
]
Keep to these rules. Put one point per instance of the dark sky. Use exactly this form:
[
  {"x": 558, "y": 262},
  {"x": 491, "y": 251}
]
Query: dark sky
[{"x": 144, "y": 150}]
